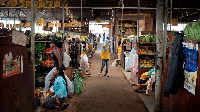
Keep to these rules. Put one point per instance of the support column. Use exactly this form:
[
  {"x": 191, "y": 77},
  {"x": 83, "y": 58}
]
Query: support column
[
  {"x": 122, "y": 17},
  {"x": 159, "y": 55},
  {"x": 171, "y": 17},
  {"x": 63, "y": 28},
  {"x": 20, "y": 21},
  {"x": 138, "y": 21},
  {"x": 81, "y": 10},
  {"x": 116, "y": 31},
  {"x": 165, "y": 34},
  {"x": 63, "y": 17},
  {"x": 33, "y": 39}
]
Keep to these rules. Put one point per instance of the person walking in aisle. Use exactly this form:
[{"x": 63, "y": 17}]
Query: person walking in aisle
[
  {"x": 58, "y": 97},
  {"x": 74, "y": 51},
  {"x": 105, "y": 56},
  {"x": 55, "y": 54}
]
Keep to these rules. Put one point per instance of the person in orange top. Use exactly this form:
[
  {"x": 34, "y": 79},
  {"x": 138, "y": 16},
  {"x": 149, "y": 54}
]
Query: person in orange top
[{"x": 105, "y": 56}]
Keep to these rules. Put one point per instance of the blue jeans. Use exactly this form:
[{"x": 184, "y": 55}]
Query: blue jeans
[{"x": 105, "y": 61}]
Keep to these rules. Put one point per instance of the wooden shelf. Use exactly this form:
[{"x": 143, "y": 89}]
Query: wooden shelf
[
  {"x": 146, "y": 42},
  {"x": 142, "y": 66},
  {"x": 39, "y": 53},
  {"x": 41, "y": 41},
  {"x": 147, "y": 54},
  {"x": 45, "y": 41}
]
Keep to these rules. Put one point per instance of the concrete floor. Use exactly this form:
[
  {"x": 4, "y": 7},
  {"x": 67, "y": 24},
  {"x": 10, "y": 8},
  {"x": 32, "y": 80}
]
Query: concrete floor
[
  {"x": 149, "y": 100},
  {"x": 106, "y": 94}
]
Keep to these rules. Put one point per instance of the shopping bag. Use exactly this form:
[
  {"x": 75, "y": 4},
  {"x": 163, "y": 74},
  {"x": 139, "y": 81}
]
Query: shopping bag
[{"x": 78, "y": 84}]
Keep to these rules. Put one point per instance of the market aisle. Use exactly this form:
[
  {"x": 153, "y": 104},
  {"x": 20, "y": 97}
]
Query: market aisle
[{"x": 106, "y": 94}]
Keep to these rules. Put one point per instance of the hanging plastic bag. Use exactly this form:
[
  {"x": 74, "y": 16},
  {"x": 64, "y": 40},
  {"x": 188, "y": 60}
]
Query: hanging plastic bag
[
  {"x": 78, "y": 84},
  {"x": 131, "y": 59},
  {"x": 66, "y": 59}
]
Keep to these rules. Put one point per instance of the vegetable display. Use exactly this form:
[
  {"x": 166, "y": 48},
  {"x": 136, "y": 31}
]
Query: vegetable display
[
  {"x": 192, "y": 31},
  {"x": 37, "y": 60},
  {"x": 147, "y": 38},
  {"x": 125, "y": 40},
  {"x": 39, "y": 47}
]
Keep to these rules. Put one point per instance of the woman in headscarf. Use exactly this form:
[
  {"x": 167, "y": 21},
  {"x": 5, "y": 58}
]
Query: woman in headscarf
[{"x": 105, "y": 56}]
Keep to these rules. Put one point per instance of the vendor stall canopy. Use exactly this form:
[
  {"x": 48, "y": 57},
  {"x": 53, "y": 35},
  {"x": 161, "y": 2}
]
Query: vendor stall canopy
[{"x": 183, "y": 10}]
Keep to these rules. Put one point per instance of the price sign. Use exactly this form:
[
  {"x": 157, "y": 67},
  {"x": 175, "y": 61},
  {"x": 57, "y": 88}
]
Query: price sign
[
  {"x": 57, "y": 4},
  {"x": 36, "y": 4},
  {"x": 49, "y": 4},
  {"x": 28, "y": 4},
  {"x": 174, "y": 22},
  {"x": 22, "y": 3},
  {"x": 51, "y": 24},
  {"x": 17, "y": 25},
  {"x": 11, "y": 26},
  {"x": 7, "y": 3},
  {"x": 42, "y": 4},
  {"x": 13, "y": 3},
  {"x": 66, "y": 25}
]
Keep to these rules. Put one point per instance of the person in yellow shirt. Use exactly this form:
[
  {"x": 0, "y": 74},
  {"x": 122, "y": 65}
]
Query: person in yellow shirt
[{"x": 105, "y": 56}]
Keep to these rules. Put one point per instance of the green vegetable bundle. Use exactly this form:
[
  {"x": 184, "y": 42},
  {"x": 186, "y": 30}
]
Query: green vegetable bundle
[
  {"x": 126, "y": 40},
  {"x": 39, "y": 48},
  {"x": 37, "y": 60},
  {"x": 192, "y": 31},
  {"x": 147, "y": 38}
]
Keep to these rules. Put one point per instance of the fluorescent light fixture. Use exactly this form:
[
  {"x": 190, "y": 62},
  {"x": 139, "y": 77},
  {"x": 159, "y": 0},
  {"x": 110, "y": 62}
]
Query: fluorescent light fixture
[{"x": 194, "y": 20}]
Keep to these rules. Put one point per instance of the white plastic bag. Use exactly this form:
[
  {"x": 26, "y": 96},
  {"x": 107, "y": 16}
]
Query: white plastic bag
[
  {"x": 84, "y": 62},
  {"x": 126, "y": 63},
  {"x": 66, "y": 59},
  {"x": 132, "y": 58},
  {"x": 114, "y": 64},
  {"x": 70, "y": 86}
]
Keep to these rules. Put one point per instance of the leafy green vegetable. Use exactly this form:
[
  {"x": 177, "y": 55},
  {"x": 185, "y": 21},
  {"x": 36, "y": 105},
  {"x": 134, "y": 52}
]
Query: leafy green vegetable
[
  {"x": 39, "y": 47},
  {"x": 192, "y": 31}
]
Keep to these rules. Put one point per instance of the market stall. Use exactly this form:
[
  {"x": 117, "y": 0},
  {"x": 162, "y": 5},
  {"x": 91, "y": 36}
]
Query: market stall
[
  {"x": 183, "y": 97},
  {"x": 16, "y": 82}
]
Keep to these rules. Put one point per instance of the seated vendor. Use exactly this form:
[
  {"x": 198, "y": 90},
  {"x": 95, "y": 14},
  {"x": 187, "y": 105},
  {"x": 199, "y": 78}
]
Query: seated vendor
[
  {"x": 58, "y": 97},
  {"x": 143, "y": 82}
]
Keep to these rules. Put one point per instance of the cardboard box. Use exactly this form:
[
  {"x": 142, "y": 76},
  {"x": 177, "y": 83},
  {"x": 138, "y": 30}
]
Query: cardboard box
[{"x": 69, "y": 73}]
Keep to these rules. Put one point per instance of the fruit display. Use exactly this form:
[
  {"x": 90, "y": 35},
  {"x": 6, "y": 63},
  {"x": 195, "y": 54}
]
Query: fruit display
[
  {"x": 147, "y": 38},
  {"x": 143, "y": 51},
  {"x": 48, "y": 50},
  {"x": 39, "y": 47},
  {"x": 128, "y": 44},
  {"x": 125, "y": 40},
  {"x": 48, "y": 63},
  {"x": 147, "y": 62},
  {"x": 192, "y": 31},
  {"x": 40, "y": 37}
]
